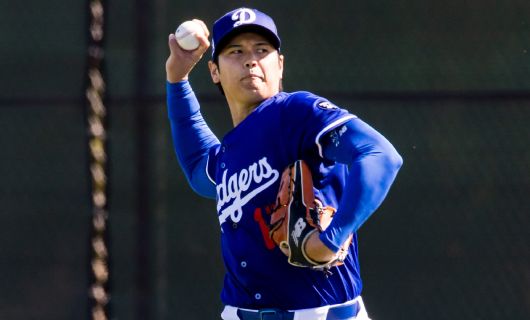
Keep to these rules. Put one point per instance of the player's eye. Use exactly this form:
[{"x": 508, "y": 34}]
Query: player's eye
[{"x": 233, "y": 50}]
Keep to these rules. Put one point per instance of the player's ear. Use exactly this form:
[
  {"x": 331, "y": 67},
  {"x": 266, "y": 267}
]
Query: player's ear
[
  {"x": 280, "y": 64},
  {"x": 214, "y": 71}
]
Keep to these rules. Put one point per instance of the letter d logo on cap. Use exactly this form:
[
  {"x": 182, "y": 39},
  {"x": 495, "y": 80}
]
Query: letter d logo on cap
[{"x": 243, "y": 16}]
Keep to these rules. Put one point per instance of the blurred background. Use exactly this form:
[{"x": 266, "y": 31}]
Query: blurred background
[{"x": 448, "y": 82}]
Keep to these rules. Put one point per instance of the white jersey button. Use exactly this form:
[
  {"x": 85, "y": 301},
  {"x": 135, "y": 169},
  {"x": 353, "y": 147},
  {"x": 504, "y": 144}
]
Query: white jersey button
[
  {"x": 243, "y": 264},
  {"x": 257, "y": 296}
]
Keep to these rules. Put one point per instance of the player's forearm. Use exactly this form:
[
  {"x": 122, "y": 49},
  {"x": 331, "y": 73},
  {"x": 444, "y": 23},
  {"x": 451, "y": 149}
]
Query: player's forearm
[
  {"x": 192, "y": 138},
  {"x": 373, "y": 166}
]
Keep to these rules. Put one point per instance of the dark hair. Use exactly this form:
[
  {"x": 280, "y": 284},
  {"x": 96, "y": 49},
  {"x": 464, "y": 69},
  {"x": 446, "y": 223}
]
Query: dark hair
[{"x": 218, "y": 84}]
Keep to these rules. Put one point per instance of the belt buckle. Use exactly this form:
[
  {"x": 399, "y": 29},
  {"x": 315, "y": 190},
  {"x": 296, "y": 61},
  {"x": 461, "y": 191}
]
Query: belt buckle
[{"x": 265, "y": 313}]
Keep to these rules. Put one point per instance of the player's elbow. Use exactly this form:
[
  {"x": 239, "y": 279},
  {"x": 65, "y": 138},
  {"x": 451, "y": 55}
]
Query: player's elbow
[{"x": 392, "y": 159}]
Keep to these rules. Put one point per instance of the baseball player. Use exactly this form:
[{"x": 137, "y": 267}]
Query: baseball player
[{"x": 280, "y": 141}]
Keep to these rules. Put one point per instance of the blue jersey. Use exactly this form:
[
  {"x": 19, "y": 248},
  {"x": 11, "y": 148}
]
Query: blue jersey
[{"x": 243, "y": 173}]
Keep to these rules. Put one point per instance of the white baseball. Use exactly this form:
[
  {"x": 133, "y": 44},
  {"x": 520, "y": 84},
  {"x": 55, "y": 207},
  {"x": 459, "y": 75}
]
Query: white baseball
[{"x": 186, "y": 35}]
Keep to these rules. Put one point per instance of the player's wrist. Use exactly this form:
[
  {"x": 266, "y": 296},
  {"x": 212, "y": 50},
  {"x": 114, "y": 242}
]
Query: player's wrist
[
  {"x": 328, "y": 241},
  {"x": 173, "y": 79},
  {"x": 178, "y": 89}
]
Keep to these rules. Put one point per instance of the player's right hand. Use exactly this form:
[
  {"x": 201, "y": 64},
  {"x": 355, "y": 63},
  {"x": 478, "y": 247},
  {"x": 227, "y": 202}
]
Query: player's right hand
[{"x": 180, "y": 62}]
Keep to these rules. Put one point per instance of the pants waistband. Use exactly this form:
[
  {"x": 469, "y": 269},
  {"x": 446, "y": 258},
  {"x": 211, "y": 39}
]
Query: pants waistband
[{"x": 345, "y": 311}]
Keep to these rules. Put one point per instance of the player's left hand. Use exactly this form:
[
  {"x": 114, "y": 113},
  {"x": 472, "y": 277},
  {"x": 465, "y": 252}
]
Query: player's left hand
[
  {"x": 316, "y": 250},
  {"x": 298, "y": 220}
]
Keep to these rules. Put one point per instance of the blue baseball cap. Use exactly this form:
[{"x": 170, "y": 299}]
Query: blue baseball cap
[{"x": 242, "y": 20}]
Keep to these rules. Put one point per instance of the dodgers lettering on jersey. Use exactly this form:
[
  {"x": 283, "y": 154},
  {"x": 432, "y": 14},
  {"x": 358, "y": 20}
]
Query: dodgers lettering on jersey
[
  {"x": 246, "y": 169},
  {"x": 259, "y": 174}
]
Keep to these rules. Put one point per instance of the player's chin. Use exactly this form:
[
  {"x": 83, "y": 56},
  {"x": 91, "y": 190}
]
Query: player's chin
[
  {"x": 253, "y": 83},
  {"x": 259, "y": 90},
  {"x": 254, "y": 89}
]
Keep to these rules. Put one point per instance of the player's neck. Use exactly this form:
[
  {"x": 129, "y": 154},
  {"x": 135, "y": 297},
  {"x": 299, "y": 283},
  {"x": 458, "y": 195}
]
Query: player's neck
[
  {"x": 240, "y": 112},
  {"x": 241, "y": 108}
]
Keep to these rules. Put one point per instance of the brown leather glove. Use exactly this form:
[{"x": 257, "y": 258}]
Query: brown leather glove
[{"x": 297, "y": 215}]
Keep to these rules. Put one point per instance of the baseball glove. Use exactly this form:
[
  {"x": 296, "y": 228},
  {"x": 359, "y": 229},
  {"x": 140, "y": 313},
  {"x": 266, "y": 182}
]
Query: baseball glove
[{"x": 297, "y": 215}]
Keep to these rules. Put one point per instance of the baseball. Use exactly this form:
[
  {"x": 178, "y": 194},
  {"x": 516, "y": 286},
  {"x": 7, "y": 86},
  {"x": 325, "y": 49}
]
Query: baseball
[{"x": 185, "y": 35}]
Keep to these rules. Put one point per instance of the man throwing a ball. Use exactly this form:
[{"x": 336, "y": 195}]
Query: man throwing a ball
[{"x": 324, "y": 158}]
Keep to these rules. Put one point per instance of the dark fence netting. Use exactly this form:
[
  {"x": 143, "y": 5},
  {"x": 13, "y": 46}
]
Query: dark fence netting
[
  {"x": 452, "y": 237},
  {"x": 447, "y": 83}
]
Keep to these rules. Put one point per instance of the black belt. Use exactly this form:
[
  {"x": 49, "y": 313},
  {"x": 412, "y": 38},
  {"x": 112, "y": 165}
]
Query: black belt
[{"x": 334, "y": 313}]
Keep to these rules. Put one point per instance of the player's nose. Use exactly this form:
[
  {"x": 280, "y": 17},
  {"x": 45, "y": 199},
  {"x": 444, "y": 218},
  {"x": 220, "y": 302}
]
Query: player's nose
[{"x": 251, "y": 62}]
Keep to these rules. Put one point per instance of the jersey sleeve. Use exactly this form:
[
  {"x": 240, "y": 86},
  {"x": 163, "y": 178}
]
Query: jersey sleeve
[
  {"x": 306, "y": 117},
  {"x": 373, "y": 164},
  {"x": 193, "y": 141}
]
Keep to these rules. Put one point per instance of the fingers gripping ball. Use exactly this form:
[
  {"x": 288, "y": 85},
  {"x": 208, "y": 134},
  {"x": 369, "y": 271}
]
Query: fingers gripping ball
[
  {"x": 186, "y": 35},
  {"x": 297, "y": 215}
]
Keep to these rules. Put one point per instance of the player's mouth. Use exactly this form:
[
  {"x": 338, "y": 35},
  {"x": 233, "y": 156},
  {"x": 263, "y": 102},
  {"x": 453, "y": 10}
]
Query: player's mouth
[{"x": 252, "y": 77}]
